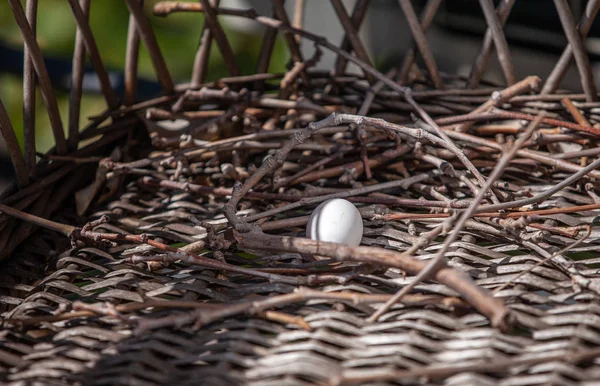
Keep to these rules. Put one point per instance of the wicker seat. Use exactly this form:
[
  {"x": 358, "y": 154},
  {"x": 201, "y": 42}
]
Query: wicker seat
[{"x": 163, "y": 242}]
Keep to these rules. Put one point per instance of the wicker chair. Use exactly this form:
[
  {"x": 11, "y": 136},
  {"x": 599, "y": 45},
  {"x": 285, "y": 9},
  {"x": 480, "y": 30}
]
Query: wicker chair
[{"x": 163, "y": 243}]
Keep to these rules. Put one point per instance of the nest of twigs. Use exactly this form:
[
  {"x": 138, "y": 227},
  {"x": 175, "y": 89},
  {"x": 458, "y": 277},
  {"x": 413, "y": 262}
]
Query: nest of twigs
[{"x": 183, "y": 258}]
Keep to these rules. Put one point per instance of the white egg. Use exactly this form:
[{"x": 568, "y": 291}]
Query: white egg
[{"x": 336, "y": 221}]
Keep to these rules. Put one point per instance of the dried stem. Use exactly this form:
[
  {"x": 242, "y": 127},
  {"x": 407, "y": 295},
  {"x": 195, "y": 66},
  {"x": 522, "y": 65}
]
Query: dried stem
[
  {"x": 495, "y": 28},
  {"x": 481, "y": 63},
  {"x": 579, "y": 52},
  {"x": 439, "y": 261},
  {"x": 492, "y": 308},
  {"x": 203, "y": 316},
  {"x": 29, "y": 86},
  {"x": 547, "y": 259}
]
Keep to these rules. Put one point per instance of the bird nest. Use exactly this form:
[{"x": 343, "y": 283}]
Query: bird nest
[{"x": 171, "y": 249}]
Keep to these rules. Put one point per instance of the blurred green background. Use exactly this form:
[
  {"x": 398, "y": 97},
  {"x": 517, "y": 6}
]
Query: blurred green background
[{"x": 178, "y": 36}]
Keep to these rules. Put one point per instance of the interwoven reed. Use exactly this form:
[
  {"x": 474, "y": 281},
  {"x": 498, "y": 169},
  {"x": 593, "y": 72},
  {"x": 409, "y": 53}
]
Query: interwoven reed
[{"x": 174, "y": 286}]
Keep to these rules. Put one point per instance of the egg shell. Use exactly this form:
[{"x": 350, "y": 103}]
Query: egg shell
[{"x": 336, "y": 220}]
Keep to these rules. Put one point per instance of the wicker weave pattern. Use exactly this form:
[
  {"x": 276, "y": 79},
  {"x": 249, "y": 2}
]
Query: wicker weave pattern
[
  {"x": 433, "y": 337},
  {"x": 554, "y": 319}
]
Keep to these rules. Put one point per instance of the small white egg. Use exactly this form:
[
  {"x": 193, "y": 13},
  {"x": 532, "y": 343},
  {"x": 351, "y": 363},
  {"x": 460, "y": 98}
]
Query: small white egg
[{"x": 337, "y": 221}]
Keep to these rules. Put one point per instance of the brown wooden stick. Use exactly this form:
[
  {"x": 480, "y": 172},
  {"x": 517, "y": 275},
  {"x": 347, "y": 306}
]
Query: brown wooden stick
[
  {"x": 86, "y": 35},
  {"x": 539, "y": 212},
  {"x": 562, "y": 65},
  {"x": 427, "y": 16},
  {"x": 77, "y": 80},
  {"x": 147, "y": 36},
  {"x": 439, "y": 261},
  {"x": 29, "y": 85},
  {"x": 200, "y": 67},
  {"x": 131, "y": 62},
  {"x": 421, "y": 42},
  {"x": 480, "y": 64},
  {"x": 352, "y": 35},
  {"x": 579, "y": 52},
  {"x": 358, "y": 16},
  {"x": 495, "y": 28},
  {"x": 575, "y": 113},
  {"x": 290, "y": 39},
  {"x": 210, "y": 18},
  {"x": 499, "y": 97},
  {"x": 492, "y": 308},
  {"x": 9, "y": 137},
  {"x": 42, "y": 74}
]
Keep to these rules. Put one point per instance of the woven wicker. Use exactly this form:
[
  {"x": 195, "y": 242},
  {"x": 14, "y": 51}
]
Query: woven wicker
[{"x": 174, "y": 281}]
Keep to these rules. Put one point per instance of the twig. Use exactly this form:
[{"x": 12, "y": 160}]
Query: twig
[
  {"x": 579, "y": 52},
  {"x": 8, "y": 135},
  {"x": 357, "y": 166},
  {"x": 495, "y": 28},
  {"x": 220, "y": 38},
  {"x": 438, "y": 261},
  {"x": 29, "y": 86},
  {"x": 65, "y": 230},
  {"x": 499, "y": 97},
  {"x": 147, "y": 36},
  {"x": 492, "y": 308},
  {"x": 539, "y": 212},
  {"x": 404, "y": 184},
  {"x": 173, "y": 254},
  {"x": 427, "y": 16},
  {"x": 352, "y": 35},
  {"x": 404, "y": 91},
  {"x": 271, "y": 163},
  {"x": 547, "y": 259},
  {"x": 575, "y": 113},
  {"x": 203, "y": 316},
  {"x": 396, "y": 201},
  {"x": 420, "y": 40},
  {"x": 480, "y": 64},
  {"x": 282, "y": 317},
  {"x": 358, "y": 15},
  {"x": 563, "y": 64},
  {"x": 526, "y": 153},
  {"x": 303, "y": 172},
  {"x": 42, "y": 75}
]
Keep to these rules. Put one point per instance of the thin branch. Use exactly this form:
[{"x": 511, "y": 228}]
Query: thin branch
[
  {"x": 210, "y": 18},
  {"x": 562, "y": 65},
  {"x": 480, "y": 64},
  {"x": 495, "y": 28},
  {"x": 8, "y": 135},
  {"x": 200, "y": 67},
  {"x": 421, "y": 41},
  {"x": 147, "y": 36},
  {"x": 42, "y": 74},
  {"x": 29, "y": 85},
  {"x": 83, "y": 27},
  {"x": 203, "y": 316},
  {"x": 438, "y": 261},
  {"x": 492, "y": 308},
  {"x": 131, "y": 62},
  {"x": 579, "y": 52},
  {"x": 547, "y": 259}
]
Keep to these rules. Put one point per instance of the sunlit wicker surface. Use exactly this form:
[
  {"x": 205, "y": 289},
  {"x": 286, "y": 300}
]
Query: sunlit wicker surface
[
  {"x": 551, "y": 317},
  {"x": 121, "y": 314}
]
